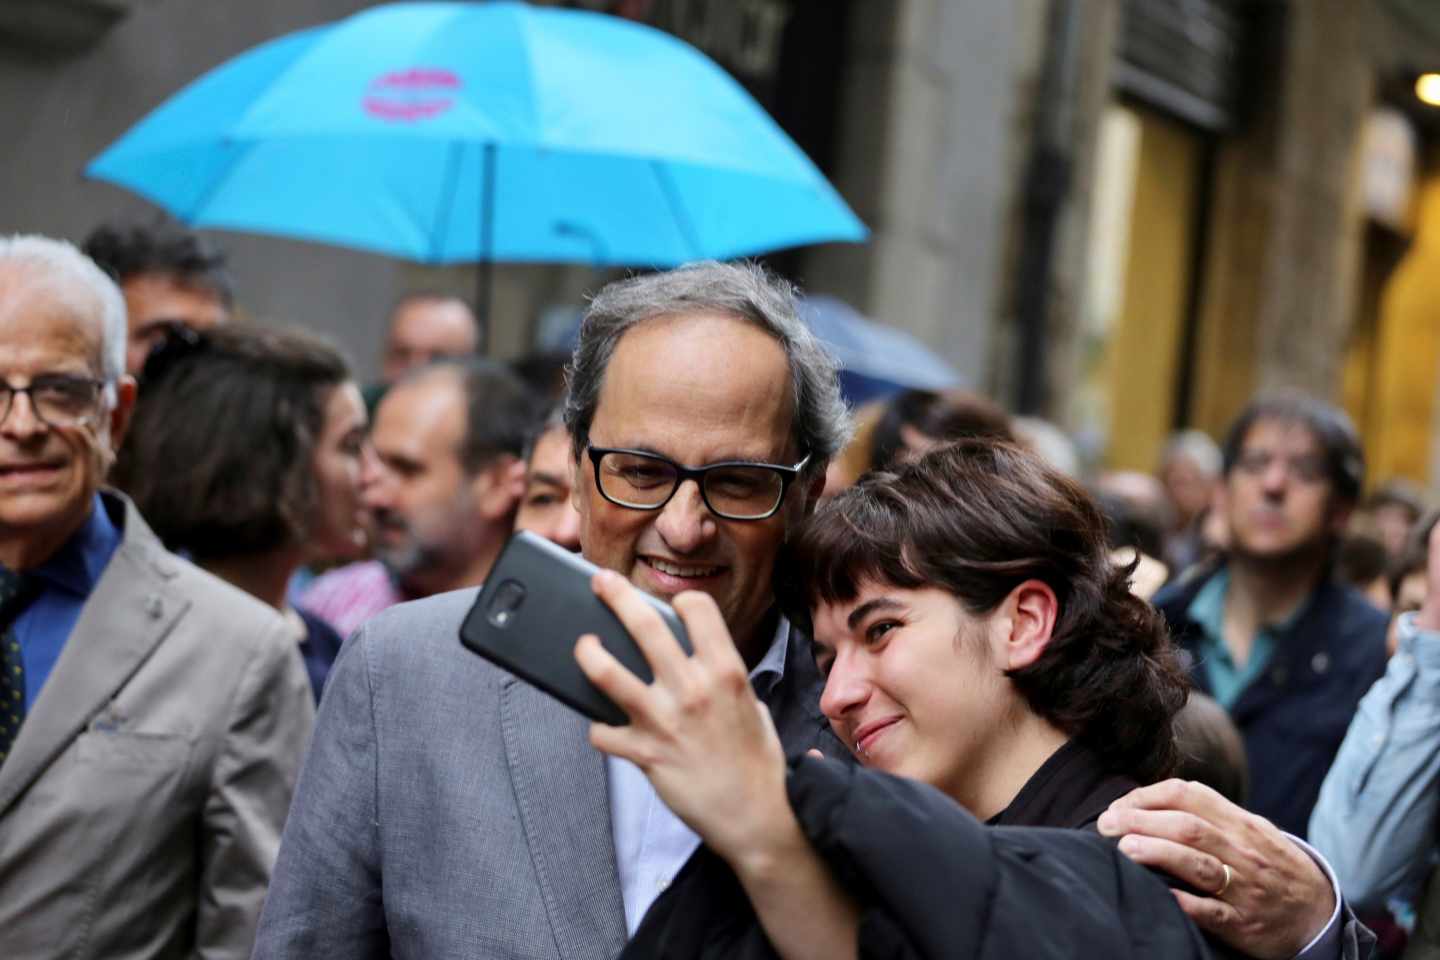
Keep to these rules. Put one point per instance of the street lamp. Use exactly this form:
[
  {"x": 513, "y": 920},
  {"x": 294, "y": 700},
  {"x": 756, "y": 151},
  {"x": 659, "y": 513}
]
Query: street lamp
[{"x": 1427, "y": 88}]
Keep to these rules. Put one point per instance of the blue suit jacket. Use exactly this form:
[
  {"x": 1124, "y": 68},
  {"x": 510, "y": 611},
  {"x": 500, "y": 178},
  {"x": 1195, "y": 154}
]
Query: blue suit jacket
[{"x": 1293, "y": 718}]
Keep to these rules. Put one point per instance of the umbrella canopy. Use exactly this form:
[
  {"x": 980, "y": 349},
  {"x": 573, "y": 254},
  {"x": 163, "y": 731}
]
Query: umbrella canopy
[
  {"x": 449, "y": 132},
  {"x": 875, "y": 360}
]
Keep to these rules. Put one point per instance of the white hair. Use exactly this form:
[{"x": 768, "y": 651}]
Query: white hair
[
  {"x": 61, "y": 264},
  {"x": 1197, "y": 447}
]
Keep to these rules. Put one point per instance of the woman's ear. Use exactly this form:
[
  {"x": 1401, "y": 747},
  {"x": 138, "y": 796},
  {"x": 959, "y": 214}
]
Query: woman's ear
[{"x": 1033, "y": 610}]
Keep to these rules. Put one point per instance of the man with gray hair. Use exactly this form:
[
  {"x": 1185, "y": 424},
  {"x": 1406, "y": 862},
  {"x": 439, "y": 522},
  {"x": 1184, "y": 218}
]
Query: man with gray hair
[
  {"x": 152, "y": 717},
  {"x": 449, "y": 809}
]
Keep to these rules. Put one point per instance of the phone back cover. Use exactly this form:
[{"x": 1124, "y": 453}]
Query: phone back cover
[{"x": 535, "y": 605}]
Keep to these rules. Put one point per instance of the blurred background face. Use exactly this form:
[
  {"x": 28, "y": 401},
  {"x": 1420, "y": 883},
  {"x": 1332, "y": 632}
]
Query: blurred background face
[
  {"x": 1189, "y": 488},
  {"x": 425, "y": 330},
  {"x": 48, "y": 473},
  {"x": 418, "y": 493},
  {"x": 1278, "y": 496},
  {"x": 341, "y": 529},
  {"x": 698, "y": 389},
  {"x": 155, "y": 301},
  {"x": 1392, "y": 523},
  {"x": 546, "y": 507},
  {"x": 912, "y": 684}
]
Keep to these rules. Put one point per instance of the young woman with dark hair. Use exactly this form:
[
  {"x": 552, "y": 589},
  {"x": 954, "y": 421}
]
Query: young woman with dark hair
[
  {"x": 974, "y": 637},
  {"x": 986, "y": 548},
  {"x": 244, "y": 452}
]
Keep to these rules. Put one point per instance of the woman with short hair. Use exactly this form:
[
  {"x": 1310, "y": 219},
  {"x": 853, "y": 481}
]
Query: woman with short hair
[{"x": 244, "y": 452}]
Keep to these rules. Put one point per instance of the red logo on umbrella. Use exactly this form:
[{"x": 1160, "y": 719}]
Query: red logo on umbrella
[{"x": 409, "y": 96}]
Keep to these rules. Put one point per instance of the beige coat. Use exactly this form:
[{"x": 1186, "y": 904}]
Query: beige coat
[{"x": 141, "y": 806}]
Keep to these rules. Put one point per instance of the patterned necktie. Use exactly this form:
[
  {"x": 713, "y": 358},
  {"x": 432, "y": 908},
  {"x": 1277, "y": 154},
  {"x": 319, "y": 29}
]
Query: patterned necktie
[{"x": 16, "y": 590}]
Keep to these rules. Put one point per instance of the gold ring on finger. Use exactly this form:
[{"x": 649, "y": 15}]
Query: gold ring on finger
[{"x": 1225, "y": 884}]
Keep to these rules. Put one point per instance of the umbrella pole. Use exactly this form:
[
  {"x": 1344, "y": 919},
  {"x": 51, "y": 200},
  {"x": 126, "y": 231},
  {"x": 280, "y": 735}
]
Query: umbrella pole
[{"x": 485, "y": 279}]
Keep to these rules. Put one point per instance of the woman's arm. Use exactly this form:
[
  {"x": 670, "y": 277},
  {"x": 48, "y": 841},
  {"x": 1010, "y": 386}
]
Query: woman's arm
[{"x": 710, "y": 749}]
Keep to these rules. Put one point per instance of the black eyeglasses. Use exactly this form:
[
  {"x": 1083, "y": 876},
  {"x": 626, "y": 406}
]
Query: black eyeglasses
[
  {"x": 733, "y": 489},
  {"x": 56, "y": 399}
]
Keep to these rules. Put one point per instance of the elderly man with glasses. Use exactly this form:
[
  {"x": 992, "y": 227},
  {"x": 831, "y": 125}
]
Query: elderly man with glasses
[
  {"x": 447, "y": 808},
  {"x": 152, "y": 718}
]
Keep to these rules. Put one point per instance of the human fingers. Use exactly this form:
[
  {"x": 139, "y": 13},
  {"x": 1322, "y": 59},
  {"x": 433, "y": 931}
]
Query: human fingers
[
  {"x": 1211, "y": 915},
  {"x": 1199, "y": 870},
  {"x": 1180, "y": 827},
  {"x": 709, "y": 636},
  {"x": 612, "y": 678},
  {"x": 650, "y": 633},
  {"x": 622, "y": 742},
  {"x": 1183, "y": 795}
]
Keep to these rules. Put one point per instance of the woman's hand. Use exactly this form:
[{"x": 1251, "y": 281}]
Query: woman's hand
[{"x": 698, "y": 732}]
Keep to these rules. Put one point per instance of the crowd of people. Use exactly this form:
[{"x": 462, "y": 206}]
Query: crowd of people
[{"x": 951, "y": 695}]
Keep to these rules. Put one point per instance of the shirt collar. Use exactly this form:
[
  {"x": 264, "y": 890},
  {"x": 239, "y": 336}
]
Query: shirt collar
[
  {"x": 771, "y": 668},
  {"x": 1208, "y": 610},
  {"x": 1208, "y": 607},
  {"x": 78, "y": 564}
]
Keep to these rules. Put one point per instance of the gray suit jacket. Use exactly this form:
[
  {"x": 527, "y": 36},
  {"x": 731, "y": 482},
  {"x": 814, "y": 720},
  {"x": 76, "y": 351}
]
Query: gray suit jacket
[
  {"x": 141, "y": 806},
  {"x": 447, "y": 809}
]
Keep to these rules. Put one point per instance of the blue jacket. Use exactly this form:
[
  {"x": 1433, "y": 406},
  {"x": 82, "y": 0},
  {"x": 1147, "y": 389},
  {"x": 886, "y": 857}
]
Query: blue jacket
[{"x": 1294, "y": 716}]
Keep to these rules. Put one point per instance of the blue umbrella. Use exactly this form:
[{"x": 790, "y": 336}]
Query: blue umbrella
[
  {"x": 448, "y": 132},
  {"x": 875, "y": 360}
]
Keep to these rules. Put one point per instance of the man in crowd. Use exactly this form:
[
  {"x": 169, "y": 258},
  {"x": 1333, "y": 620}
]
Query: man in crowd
[
  {"x": 170, "y": 277},
  {"x": 1282, "y": 646},
  {"x": 448, "y": 808},
  {"x": 1376, "y": 819},
  {"x": 153, "y": 716},
  {"x": 423, "y": 328},
  {"x": 546, "y": 507},
  {"x": 442, "y": 489}
]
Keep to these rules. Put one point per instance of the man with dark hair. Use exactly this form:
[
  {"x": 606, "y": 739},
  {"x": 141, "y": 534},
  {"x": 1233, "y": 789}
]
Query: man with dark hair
[
  {"x": 916, "y": 421},
  {"x": 442, "y": 488},
  {"x": 547, "y": 507},
  {"x": 169, "y": 276},
  {"x": 1282, "y": 646}
]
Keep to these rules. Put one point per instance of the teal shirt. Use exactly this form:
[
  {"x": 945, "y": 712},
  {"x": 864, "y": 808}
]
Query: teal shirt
[{"x": 1227, "y": 681}]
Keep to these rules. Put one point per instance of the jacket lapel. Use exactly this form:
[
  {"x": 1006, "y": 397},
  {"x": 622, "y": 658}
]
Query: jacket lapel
[
  {"x": 563, "y": 794},
  {"x": 127, "y": 614}
]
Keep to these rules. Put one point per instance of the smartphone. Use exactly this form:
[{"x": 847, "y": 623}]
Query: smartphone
[{"x": 535, "y": 604}]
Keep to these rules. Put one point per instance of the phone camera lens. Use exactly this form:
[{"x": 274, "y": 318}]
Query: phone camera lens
[{"x": 505, "y": 603}]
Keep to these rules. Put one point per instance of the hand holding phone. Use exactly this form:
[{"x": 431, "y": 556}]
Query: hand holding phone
[
  {"x": 536, "y": 603},
  {"x": 697, "y": 730}
]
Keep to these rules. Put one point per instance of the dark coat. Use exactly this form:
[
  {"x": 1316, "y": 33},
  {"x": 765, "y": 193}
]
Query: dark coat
[
  {"x": 933, "y": 882},
  {"x": 1295, "y": 715}
]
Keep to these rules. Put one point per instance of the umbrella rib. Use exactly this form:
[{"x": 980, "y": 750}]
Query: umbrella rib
[
  {"x": 447, "y": 200},
  {"x": 682, "y": 219},
  {"x": 216, "y": 182}
]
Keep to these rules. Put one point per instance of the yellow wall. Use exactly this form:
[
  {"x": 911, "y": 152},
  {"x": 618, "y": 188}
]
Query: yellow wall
[
  {"x": 1142, "y": 359},
  {"x": 1406, "y": 355}
]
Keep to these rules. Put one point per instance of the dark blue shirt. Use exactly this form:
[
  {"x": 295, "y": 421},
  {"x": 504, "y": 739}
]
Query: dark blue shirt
[{"x": 66, "y": 580}]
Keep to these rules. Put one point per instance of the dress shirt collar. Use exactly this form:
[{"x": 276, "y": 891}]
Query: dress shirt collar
[
  {"x": 771, "y": 668},
  {"x": 78, "y": 564}
]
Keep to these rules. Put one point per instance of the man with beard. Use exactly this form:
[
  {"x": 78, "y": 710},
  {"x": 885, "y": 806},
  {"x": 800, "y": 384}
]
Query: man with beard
[
  {"x": 442, "y": 489},
  {"x": 1284, "y": 648}
]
